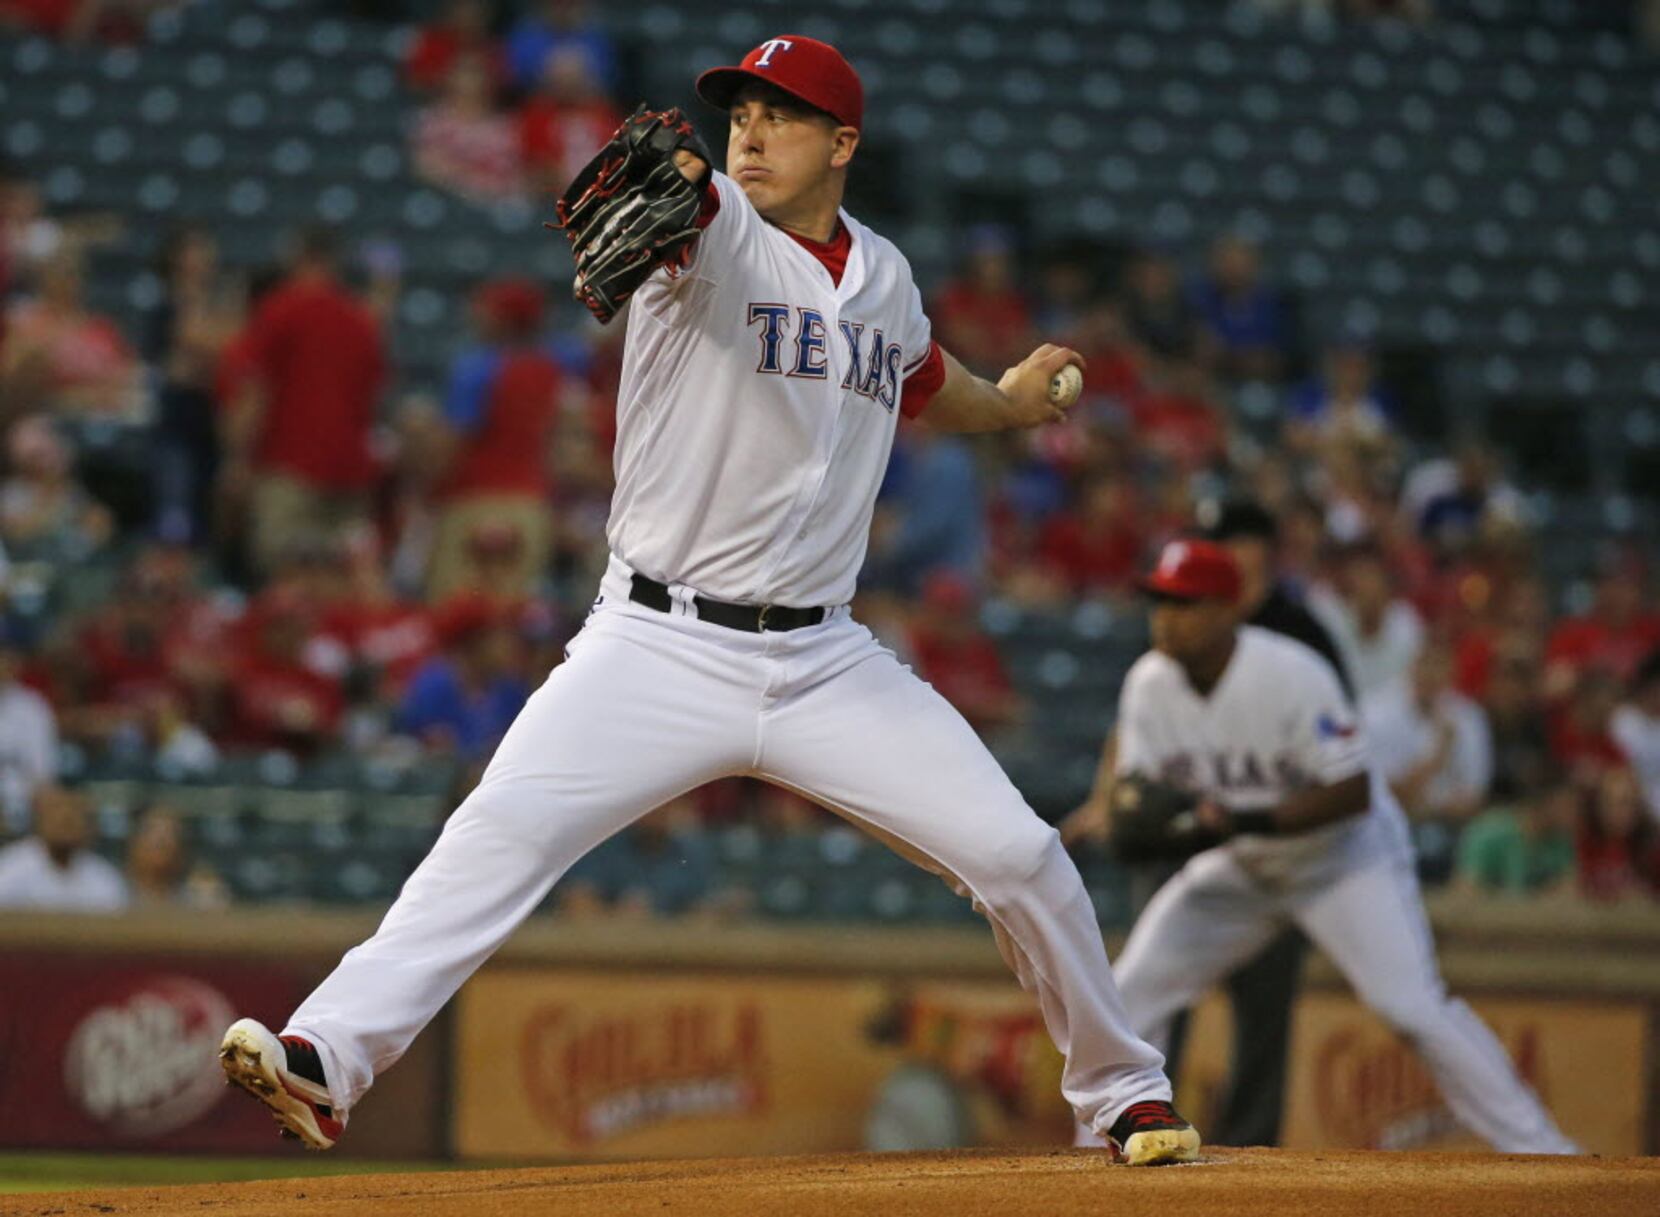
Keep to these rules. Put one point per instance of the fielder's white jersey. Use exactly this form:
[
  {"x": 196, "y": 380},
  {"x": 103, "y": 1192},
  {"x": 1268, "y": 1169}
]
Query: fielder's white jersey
[
  {"x": 757, "y": 411},
  {"x": 1277, "y": 721}
]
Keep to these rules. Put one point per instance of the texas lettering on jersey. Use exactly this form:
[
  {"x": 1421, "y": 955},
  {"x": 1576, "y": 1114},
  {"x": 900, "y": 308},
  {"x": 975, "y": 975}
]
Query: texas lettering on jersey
[
  {"x": 780, "y": 386},
  {"x": 1230, "y": 770},
  {"x": 793, "y": 343}
]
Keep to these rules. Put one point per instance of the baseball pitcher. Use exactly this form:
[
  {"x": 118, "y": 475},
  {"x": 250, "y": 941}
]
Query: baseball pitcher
[
  {"x": 773, "y": 343},
  {"x": 1238, "y": 746}
]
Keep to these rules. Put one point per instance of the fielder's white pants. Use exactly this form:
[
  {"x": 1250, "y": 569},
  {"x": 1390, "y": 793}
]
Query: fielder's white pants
[
  {"x": 649, "y": 705},
  {"x": 1212, "y": 917}
]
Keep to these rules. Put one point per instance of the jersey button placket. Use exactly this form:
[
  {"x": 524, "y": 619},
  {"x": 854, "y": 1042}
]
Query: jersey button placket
[{"x": 831, "y": 308}]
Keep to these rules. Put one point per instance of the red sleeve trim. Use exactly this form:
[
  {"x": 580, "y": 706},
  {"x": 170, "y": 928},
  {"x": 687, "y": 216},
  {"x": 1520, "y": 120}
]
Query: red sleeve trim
[
  {"x": 711, "y": 205},
  {"x": 921, "y": 385}
]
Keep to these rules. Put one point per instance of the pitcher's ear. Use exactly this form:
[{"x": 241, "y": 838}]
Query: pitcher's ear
[{"x": 846, "y": 141}]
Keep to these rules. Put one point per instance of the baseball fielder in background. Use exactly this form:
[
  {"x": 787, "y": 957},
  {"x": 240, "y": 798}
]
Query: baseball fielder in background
[
  {"x": 1287, "y": 822},
  {"x": 1262, "y": 990},
  {"x": 772, "y": 345}
]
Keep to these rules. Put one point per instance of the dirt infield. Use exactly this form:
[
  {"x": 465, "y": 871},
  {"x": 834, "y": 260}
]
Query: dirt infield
[{"x": 1228, "y": 1183}]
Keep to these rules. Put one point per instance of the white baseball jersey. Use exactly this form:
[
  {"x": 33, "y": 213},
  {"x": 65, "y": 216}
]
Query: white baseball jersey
[
  {"x": 757, "y": 411},
  {"x": 1277, "y": 721}
]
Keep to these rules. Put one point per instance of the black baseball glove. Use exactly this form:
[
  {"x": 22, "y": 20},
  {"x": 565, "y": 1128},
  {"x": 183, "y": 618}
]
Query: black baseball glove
[
  {"x": 1153, "y": 821},
  {"x": 631, "y": 210}
]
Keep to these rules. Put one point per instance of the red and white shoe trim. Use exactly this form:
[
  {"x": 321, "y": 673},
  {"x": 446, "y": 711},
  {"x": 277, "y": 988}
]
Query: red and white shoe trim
[{"x": 254, "y": 1059}]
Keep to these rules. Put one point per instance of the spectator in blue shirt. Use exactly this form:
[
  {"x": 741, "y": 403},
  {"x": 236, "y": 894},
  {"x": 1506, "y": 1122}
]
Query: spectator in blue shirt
[
  {"x": 930, "y": 515},
  {"x": 555, "y": 25},
  {"x": 1343, "y": 402},
  {"x": 1244, "y": 316},
  {"x": 463, "y": 699}
]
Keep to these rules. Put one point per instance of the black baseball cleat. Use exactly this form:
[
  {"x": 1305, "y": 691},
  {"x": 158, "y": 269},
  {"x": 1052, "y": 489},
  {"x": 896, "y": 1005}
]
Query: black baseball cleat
[
  {"x": 287, "y": 1077},
  {"x": 1150, "y": 1133}
]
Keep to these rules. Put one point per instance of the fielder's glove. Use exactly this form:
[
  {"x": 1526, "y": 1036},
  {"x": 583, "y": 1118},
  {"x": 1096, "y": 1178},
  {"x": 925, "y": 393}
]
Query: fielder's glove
[
  {"x": 1153, "y": 821},
  {"x": 631, "y": 210}
]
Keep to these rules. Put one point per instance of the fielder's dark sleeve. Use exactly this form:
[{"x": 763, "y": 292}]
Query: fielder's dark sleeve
[{"x": 1286, "y": 614}]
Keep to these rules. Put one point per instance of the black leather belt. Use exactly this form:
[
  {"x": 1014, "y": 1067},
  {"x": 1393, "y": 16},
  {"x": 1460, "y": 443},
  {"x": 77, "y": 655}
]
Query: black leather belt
[{"x": 750, "y": 618}]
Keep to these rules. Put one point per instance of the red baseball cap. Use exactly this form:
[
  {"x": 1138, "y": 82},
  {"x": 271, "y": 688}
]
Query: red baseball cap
[
  {"x": 514, "y": 303},
  {"x": 1193, "y": 570},
  {"x": 803, "y": 67}
]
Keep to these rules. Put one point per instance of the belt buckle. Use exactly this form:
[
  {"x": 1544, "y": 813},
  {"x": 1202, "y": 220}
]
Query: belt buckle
[{"x": 761, "y": 618}]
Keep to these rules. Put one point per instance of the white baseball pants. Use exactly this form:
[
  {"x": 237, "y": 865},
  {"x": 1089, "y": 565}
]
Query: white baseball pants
[
  {"x": 1212, "y": 917},
  {"x": 649, "y": 705}
]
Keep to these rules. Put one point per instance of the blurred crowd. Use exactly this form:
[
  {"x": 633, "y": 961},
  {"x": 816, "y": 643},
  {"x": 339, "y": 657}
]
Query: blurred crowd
[
  {"x": 514, "y": 112},
  {"x": 312, "y": 554}
]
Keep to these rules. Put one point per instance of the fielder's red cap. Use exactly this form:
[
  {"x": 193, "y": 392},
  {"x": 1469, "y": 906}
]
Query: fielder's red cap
[
  {"x": 803, "y": 67},
  {"x": 1193, "y": 570}
]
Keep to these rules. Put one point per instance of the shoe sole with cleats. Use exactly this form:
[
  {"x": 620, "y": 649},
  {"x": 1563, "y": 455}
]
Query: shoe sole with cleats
[
  {"x": 251, "y": 1058},
  {"x": 1161, "y": 1147}
]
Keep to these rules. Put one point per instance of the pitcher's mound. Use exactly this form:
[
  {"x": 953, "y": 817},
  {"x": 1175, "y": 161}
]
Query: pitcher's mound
[{"x": 1226, "y": 1183}]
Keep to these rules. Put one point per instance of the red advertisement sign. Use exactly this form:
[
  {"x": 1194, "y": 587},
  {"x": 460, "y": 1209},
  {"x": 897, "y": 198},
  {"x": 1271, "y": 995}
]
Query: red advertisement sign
[{"x": 110, "y": 1052}]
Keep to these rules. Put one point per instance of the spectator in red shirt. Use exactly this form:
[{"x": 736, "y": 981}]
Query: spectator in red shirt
[
  {"x": 299, "y": 434},
  {"x": 116, "y": 662},
  {"x": 1512, "y": 621},
  {"x": 565, "y": 121},
  {"x": 1109, "y": 351},
  {"x": 281, "y": 700},
  {"x": 71, "y": 20},
  {"x": 1615, "y": 635},
  {"x": 385, "y": 636},
  {"x": 954, "y": 656},
  {"x": 64, "y": 359},
  {"x": 462, "y": 144},
  {"x": 78, "y": 20},
  {"x": 155, "y": 637},
  {"x": 982, "y": 312},
  {"x": 490, "y": 454},
  {"x": 1098, "y": 548},
  {"x": 463, "y": 31},
  {"x": 1177, "y": 418},
  {"x": 1580, "y": 728},
  {"x": 1619, "y": 857}
]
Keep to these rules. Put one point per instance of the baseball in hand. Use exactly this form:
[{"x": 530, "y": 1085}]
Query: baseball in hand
[{"x": 1065, "y": 385}]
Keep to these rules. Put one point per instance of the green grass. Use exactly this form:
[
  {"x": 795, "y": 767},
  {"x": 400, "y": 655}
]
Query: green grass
[{"x": 52, "y": 1172}]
